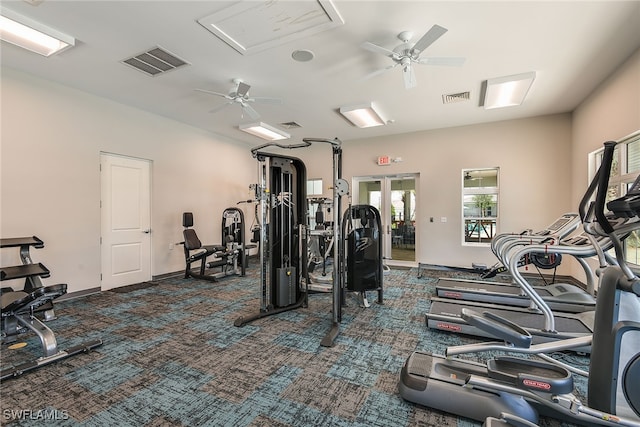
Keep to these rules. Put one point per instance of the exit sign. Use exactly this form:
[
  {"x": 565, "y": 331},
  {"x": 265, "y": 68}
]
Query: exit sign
[{"x": 384, "y": 161}]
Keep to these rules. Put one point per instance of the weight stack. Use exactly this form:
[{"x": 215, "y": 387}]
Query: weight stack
[{"x": 286, "y": 287}]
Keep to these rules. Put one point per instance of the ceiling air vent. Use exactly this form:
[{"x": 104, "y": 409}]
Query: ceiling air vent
[
  {"x": 290, "y": 125},
  {"x": 155, "y": 61},
  {"x": 455, "y": 97}
]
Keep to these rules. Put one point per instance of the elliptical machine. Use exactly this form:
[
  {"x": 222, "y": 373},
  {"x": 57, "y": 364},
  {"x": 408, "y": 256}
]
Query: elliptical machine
[{"x": 524, "y": 388}]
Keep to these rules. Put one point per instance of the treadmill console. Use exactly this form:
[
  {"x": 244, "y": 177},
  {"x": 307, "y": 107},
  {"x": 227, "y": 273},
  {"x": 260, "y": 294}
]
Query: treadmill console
[
  {"x": 567, "y": 221},
  {"x": 627, "y": 206}
]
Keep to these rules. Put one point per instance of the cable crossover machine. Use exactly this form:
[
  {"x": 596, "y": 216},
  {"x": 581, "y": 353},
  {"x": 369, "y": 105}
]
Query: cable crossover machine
[{"x": 281, "y": 194}]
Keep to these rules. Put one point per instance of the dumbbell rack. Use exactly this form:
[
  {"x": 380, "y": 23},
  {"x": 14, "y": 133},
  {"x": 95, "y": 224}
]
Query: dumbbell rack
[
  {"x": 30, "y": 271},
  {"x": 19, "y": 308}
]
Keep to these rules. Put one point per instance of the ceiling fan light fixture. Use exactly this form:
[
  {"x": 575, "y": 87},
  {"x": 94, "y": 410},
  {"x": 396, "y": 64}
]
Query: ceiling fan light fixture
[
  {"x": 264, "y": 131},
  {"x": 363, "y": 115},
  {"x": 32, "y": 35},
  {"x": 507, "y": 91}
]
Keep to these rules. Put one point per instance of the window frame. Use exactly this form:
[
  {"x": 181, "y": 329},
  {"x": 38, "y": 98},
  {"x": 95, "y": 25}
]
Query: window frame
[
  {"x": 621, "y": 179},
  {"x": 494, "y": 218},
  {"x": 313, "y": 185}
]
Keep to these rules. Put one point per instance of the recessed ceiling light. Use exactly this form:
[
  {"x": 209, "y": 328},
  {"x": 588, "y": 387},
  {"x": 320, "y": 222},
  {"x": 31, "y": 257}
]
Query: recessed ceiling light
[
  {"x": 302, "y": 55},
  {"x": 32, "y": 35}
]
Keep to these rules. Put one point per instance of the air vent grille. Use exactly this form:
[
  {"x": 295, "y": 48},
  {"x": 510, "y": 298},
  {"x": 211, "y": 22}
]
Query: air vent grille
[
  {"x": 155, "y": 61},
  {"x": 290, "y": 125},
  {"x": 456, "y": 97}
]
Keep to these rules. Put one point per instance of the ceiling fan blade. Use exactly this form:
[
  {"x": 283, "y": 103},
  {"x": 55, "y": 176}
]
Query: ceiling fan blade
[
  {"x": 431, "y": 36},
  {"x": 377, "y": 49},
  {"x": 409, "y": 77},
  {"x": 380, "y": 71},
  {"x": 447, "y": 62},
  {"x": 263, "y": 100},
  {"x": 213, "y": 93},
  {"x": 220, "y": 107},
  {"x": 243, "y": 89},
  {"x": 246, "y": 108}
]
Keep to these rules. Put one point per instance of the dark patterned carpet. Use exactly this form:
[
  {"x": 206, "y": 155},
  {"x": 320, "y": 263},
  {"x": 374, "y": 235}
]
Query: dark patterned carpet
[{"x": 172, "y": 357}]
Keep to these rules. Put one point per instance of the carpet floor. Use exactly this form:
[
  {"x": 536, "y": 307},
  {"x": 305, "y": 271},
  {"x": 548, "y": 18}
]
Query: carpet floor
[{"x": 171, "y": 356}]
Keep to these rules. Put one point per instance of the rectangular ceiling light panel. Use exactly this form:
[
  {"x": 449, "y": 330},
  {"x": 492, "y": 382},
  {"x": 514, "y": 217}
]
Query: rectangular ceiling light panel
[
  {"x": 251, "y": 26},
  {"x": 264, "y": 131},
  {"x": 507, "y": 91},
  {"x": 32, "y": 35},
  {"x": 363, "y": 115}
]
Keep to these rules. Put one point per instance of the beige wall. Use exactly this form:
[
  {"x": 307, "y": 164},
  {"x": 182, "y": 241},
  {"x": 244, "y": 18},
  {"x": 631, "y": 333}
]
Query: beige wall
[
  {"x": 52, "y": 137},
  {"x": 610, "y": 113},
  {"x": 534, "y": 160}
]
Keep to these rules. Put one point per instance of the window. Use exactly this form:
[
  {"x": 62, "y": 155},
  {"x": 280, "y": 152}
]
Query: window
[
  {"x": 314, "y": 187},
  {"x": 479, "y": 205},
  {"x": 624, "y": 170}
]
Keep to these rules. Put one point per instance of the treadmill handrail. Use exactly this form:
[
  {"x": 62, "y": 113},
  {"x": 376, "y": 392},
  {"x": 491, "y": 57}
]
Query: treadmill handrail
[
  {"x": 573, "y": 222},
  {"x": 579, "y": 251},
  {"x": 536, "y": 299}
]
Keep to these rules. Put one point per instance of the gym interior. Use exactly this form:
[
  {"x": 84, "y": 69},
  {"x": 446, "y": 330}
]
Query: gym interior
[{"x": 181, "y": 347}]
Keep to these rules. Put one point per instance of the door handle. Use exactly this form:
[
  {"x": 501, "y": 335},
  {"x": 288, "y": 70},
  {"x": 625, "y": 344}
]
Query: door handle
[
  {"x": 388, "y": 229},
  {"x": 147, "y": 231}
]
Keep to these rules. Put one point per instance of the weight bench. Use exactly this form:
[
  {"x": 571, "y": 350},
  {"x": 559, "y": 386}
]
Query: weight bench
[{"x": 18, "y": 310}]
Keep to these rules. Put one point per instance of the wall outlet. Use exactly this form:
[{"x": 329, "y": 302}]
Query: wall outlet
[
  {"x": 443, "y": 219},
  {"x": 170, "y": 246}
]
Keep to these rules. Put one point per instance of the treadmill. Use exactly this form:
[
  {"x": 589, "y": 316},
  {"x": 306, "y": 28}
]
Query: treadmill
[
  {"x": 544, "y": 325},
  {"x": 559, "y": 296},
  {"x": 446, "y": 315},
  {"x": 538, "y": 320}
]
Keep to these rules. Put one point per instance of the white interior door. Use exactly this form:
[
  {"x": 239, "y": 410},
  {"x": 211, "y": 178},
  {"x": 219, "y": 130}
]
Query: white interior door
[
  {"x": 126, "y": 220},
  {"x": 395, "y": 197}
]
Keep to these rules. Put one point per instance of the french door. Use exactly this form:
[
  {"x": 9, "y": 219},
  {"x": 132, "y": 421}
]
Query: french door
[{"x": 395, "y": 196}]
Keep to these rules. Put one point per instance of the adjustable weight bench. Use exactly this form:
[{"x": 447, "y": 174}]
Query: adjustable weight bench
[{"x": 18, "y": 310}]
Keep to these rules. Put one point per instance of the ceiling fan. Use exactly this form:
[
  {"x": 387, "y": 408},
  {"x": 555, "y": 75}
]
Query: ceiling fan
[
  {"x": 468, "y": 176},
  {"x": 240, "y": 95},
  {"x": 407, "y": 54}
]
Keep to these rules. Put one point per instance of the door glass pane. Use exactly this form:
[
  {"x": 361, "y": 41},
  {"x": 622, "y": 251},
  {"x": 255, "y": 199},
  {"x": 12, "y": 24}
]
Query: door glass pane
[
  {"x": 370, "y": 193},
  {"x": 395, "y": 198},
  {"x": 403, "y": 219}
]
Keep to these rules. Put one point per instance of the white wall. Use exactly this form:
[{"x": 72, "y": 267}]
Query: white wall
[
  {"x": 535, "y": 166},
  {"x": 52, "y": 137}
]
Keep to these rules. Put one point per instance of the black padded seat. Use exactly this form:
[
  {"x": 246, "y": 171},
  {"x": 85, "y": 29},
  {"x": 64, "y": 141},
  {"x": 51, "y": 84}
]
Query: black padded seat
[
  {"x": 21, "y": 302},
  {"x": 194, "y": 250}
]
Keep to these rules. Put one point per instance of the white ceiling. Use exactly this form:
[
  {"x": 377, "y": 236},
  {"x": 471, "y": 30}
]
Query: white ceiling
[{"x": 572, "y": 46}]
